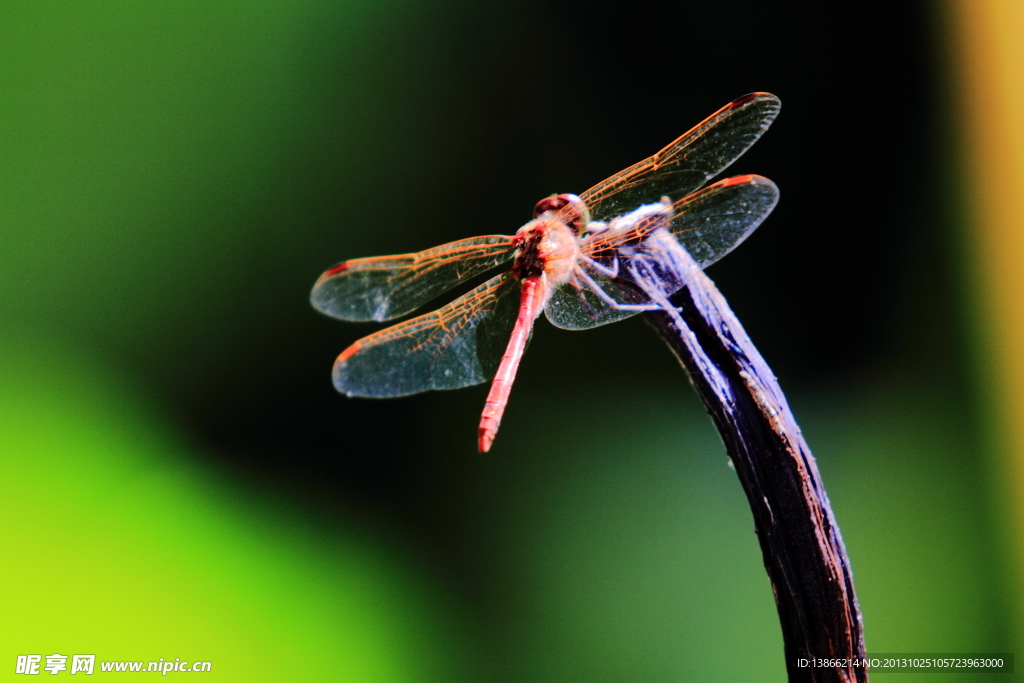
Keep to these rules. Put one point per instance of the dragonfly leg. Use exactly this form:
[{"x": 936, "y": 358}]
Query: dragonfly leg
[
  {"x": 612, "y": 303},
  {"x": 645, "y": 276},
  {"x": 612, "y": 272},
  {"x": 578, "y": 288}
]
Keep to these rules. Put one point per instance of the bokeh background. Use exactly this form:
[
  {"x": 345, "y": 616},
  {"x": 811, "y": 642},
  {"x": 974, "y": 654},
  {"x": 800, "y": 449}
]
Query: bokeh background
[{"x": 181, "y": 481}]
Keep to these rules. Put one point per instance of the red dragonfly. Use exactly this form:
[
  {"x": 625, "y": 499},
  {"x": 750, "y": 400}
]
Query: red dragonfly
[{"x": 567, "y": 261}]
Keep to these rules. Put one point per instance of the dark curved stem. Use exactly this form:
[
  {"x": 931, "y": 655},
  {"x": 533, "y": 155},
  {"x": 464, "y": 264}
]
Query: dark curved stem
[{"x": 800, "y": 541}]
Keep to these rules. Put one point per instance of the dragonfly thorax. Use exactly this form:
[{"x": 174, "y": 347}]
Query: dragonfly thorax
[{"x": 546, "y": 246}]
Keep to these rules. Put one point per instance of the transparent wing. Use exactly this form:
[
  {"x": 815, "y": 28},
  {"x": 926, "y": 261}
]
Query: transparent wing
[
  {"x": 386, "y": 287},
  {"x": 713, "y": 222},
  {"x": 708, "y": 224},
  {"x": 687, "y": 163},
  {"x": 455, "y": 346}
]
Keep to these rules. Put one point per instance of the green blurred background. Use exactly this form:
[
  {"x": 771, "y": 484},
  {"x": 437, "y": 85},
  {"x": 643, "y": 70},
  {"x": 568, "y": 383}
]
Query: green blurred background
[{"x": 181, "y": 481}]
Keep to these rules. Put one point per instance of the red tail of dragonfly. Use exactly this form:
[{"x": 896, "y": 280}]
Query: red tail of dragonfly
[{"x": 565, "y": 262}]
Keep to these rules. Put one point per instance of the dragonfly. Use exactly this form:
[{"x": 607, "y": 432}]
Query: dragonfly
[{"x": 570, "y": 261}]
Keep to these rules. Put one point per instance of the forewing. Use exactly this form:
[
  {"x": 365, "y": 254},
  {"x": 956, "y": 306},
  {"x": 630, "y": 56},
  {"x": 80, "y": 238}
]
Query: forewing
[
  {"x": 455, "y": 346},
  {"x": 386, "y": 287},
  {"x": 708, "y": 224},
  {"x": 688, "y": 162}
]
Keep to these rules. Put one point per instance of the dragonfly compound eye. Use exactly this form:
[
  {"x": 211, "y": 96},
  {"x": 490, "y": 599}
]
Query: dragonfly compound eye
[
  {"x": 552, "y": 203},
  {"x": 570, "y": 208}
]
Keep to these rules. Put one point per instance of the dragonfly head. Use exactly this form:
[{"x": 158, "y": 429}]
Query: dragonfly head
[{"x": 571, "y": 209}]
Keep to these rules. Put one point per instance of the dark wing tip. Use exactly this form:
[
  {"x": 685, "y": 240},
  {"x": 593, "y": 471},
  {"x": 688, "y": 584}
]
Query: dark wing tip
[
  {"x": 769, "y": 188},
  {"x": 738, "y": 180},
  {"x": 318, "y": 296},
  {"x": 760, "y": 96},
  {"x": 766, "y": 104},
  {"x": 339, "y": 374},
  {"x": 750, "y": 179}
]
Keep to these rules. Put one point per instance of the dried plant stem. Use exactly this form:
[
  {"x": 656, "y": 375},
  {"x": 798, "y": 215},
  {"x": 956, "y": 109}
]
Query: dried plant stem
[{"x": 800, "y": 541}]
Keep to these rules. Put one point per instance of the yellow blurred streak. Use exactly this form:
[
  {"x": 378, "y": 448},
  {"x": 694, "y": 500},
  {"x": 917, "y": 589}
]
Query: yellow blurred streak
[{"x": 988, "y": 90}]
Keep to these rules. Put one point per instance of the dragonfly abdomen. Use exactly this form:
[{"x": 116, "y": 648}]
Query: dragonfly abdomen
[{"x": 531, "y": 301}]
